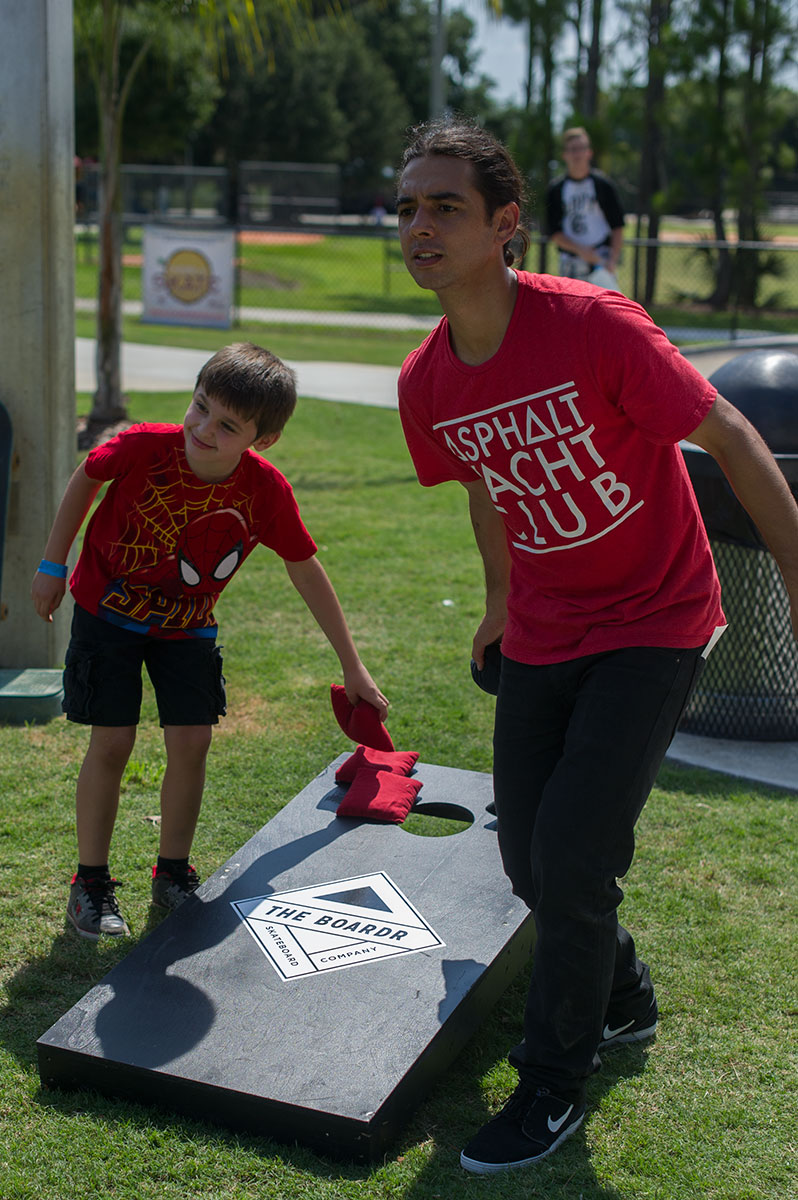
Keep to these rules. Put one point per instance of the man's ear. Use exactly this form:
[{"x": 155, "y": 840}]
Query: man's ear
[
  {"x": 509, "y": 217},
  {"x": 266, "y": 440}
]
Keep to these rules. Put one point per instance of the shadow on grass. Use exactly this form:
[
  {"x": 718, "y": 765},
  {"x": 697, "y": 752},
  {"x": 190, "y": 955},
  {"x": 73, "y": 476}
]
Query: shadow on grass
[
  {"x": 457, "y": 1109},
  {"x": 410, "y": 304},
  {"x": 454, "y": 1110},
  {"x": 680, "y": 777},
  {"x": 303, "y": 483},
  {"x": 114, "y": 1114},
  {"x": 43, "y": 989}
]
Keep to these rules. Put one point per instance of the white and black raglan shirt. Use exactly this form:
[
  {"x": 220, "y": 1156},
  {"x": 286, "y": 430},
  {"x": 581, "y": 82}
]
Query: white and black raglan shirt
[{"x": 586, "y": 211}]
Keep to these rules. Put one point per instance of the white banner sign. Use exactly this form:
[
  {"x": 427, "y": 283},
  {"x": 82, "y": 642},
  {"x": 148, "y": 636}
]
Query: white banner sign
[{"x": 187, "y": 276}]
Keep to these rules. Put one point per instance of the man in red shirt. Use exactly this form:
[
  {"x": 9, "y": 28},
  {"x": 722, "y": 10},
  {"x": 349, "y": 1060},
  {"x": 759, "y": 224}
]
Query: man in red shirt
[{"x": 559, "y": 407}]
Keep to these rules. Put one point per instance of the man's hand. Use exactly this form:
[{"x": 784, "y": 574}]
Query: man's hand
[{"x": 490, "y": 630}]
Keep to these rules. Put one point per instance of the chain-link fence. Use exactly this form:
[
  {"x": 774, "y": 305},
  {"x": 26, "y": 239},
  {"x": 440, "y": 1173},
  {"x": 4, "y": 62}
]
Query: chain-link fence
[
  {"x": 688, "y": 268},
  {"x": 272, "y": 194},
  {"x": 158, "y": 193},
  {"x": 749, "y": 688},
  {"x": 296, "y": 251},
  {"x": 259, "y": 195}
]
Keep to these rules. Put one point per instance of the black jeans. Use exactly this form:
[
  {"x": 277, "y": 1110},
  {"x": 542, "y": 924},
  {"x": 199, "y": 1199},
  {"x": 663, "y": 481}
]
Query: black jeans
[{"x": 577, "y": 747}]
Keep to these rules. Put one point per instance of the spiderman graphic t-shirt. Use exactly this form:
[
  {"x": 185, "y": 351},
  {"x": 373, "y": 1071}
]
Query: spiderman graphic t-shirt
[{"x": 163, "y": 543}]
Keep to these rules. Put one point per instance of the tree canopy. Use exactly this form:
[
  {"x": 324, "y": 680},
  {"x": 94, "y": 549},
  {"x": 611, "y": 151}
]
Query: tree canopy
[{"x": 691, "y": 104}]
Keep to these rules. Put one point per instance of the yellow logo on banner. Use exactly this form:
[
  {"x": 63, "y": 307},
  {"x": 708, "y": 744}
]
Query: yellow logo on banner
[{"x": 188, "y": 275}]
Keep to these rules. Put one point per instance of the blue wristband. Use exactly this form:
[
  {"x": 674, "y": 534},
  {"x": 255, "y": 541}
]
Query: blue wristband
[{"x": 50, "y": 568}]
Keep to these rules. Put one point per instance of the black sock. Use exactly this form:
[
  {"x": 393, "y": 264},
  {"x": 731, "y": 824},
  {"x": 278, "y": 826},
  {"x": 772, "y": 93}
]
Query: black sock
[
  {"x": 174, "y": 866},
  {"x": 100, "y": 872}
]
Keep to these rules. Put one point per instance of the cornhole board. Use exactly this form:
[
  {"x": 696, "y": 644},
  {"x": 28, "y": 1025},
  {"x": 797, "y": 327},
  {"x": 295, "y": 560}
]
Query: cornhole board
[{"x": 318, "y": 984}]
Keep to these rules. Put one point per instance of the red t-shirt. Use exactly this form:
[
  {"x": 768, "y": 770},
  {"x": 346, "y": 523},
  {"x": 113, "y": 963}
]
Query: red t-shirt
[
  {"x": 163, "y": 543},
  {"x": 573, "y": 425}
]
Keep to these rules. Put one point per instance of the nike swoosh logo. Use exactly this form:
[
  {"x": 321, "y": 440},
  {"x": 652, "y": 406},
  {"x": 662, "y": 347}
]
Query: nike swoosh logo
[
  {"x": 611, "y": 1033},
  {"x": 556, "y": 1126}
]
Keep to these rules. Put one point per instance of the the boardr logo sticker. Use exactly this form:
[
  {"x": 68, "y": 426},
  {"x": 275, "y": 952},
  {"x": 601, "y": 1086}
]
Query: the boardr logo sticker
[{"x": 334, "y": 925}]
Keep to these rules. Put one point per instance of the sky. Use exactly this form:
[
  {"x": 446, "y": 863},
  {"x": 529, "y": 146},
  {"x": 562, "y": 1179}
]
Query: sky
[{"x": 503, "y": 47}]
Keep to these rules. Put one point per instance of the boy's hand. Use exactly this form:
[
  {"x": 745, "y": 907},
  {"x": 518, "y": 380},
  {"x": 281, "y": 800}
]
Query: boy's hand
[
  {"x": 360, "y": 686},
  {"x": 47, "y": 592}
]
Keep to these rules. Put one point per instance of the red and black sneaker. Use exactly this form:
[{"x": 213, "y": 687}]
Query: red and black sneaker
[
  {"x": 170, "y": 889},
  {"x": 93, "y": 907}
]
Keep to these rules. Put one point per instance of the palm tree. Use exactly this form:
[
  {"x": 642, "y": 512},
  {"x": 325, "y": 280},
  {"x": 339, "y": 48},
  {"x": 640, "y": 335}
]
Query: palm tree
[
  {"x": 100, "y": 26},
  {"x": 437, "y": 97}
]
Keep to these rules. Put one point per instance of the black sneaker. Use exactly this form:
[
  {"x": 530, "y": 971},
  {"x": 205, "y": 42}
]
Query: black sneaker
[
  {"x": 169, "y": 891},
  {"x": 531, "y": 1125},
  {"x": 621, "y": 1033},
  {"x": 93, "y": 909}
]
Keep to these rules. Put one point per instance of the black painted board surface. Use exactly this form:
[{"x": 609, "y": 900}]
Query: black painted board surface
[{"x": 318, "y": 984}]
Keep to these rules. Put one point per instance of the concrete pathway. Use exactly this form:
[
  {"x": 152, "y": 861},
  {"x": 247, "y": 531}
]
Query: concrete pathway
[
  {"x": 774, "y": 764},
  {"x": 302, "y": 316},
  {"x": 167, "y": 368},
  {"x": 164, "y": 368}
]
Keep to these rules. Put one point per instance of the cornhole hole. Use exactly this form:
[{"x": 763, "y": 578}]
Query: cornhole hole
[{"x": 319, "y": 983}]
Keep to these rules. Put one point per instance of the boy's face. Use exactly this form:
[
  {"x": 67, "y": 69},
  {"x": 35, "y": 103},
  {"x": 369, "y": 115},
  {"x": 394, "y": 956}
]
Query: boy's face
[
  {"x": 448, "y": 240},
  {"x": 578, "y": 154},
  {"x": 216, "y": 437}
]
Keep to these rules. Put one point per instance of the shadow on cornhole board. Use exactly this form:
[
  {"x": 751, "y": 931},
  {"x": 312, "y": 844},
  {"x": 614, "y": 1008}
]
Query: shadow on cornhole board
[{"x": 318, "y": 984}]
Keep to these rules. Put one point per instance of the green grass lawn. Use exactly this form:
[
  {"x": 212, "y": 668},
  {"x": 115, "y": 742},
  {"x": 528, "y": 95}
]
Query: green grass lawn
[
  {"x": 366, "y": 274},
  {"x": 707, "y": 1111},
  {"x": 340, "y": 273},
  {"x": 298, "y": 343}
]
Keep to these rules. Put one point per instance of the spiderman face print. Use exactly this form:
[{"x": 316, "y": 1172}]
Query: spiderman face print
[
  {"x": 205, "y": 553},
  {"x": 182, "y": 542},
  {"x": 211, "y": 549}
]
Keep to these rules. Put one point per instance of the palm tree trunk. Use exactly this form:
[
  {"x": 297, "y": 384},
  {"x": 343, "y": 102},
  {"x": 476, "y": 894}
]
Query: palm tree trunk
[
  {"x": 112, "y": 93},
  {"x": 109, "y": 405}
]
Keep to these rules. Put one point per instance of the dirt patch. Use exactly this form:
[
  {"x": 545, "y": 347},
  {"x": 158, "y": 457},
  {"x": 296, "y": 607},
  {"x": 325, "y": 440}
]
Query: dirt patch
[
  {"x": 251, "y": 237},
  {"x": 676, "y": 235},
  {"x": 94, "y": 433},
  {"x": 265, "y": 279},
  {"x": 261, "y": 237}
]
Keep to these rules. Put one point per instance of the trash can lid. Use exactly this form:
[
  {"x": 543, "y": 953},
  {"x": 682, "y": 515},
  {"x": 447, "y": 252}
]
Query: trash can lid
[{"x": 763, "y": 384}]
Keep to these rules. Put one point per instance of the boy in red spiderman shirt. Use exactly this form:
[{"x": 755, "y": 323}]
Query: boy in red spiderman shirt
[{"x": 184, "y": 507}]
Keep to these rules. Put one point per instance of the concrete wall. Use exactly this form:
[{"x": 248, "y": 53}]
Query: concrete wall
[{"x": 36, "y": 303}]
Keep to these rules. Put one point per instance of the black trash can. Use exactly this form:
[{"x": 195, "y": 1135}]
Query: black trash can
[{"x": 749, "y": 689}]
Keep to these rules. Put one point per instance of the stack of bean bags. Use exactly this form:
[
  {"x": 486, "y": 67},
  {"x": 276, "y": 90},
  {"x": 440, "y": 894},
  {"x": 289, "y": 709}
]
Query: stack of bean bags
[{"x": 376, "y": 775}]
